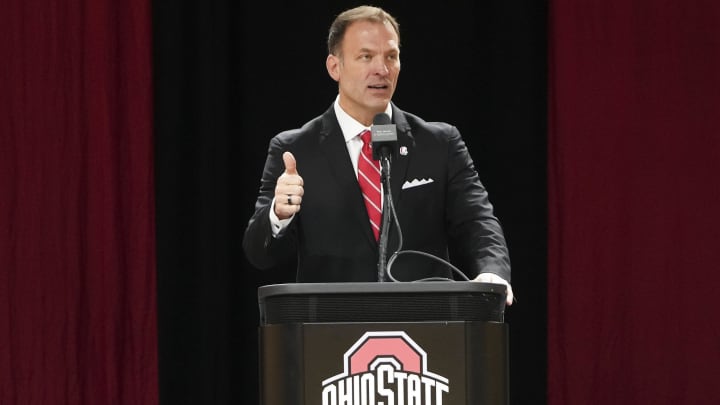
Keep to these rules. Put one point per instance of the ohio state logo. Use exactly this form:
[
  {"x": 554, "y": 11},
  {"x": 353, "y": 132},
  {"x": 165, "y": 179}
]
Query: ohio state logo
[{"x": 385, "y": 368}]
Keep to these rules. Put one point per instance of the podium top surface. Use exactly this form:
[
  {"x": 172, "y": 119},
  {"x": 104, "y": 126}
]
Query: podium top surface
[
  {"x": 381, "y": 302},
  {"x": 272, "y": 290}
]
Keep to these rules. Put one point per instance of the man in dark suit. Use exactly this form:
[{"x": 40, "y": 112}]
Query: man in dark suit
[{"x": 321, "y": 217}]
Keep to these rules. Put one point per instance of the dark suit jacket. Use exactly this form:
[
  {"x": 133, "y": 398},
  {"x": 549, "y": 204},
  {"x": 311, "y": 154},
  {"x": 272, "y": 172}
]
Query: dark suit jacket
[{"x": 331, "y": 237}]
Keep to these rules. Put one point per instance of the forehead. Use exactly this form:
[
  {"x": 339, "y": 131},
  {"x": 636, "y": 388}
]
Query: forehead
[{"x": 370, "y": 35}]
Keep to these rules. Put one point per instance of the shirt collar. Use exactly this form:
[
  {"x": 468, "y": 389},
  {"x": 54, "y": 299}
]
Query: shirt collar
[{"x": 349, "y": 126}]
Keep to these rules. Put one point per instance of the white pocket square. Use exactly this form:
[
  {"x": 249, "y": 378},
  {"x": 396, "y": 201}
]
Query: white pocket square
[{"x": 416, "y": 182}]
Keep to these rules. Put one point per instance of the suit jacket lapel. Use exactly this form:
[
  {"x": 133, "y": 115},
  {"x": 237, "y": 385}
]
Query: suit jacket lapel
[
  {"x": 406, "y": 142},
  {"x": 334, "y": 149}
]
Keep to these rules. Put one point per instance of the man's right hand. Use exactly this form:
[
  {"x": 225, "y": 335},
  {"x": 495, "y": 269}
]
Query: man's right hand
[{"x": 289, "y": 189}]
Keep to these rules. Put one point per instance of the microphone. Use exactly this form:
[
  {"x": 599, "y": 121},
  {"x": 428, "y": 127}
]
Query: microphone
[
  {"x": 383, "y": 137},
  {"x": 384, "y": 147}
]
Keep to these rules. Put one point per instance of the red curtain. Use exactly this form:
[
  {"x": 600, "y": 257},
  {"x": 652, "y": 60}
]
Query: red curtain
[
  {"x": 77, "y": 247},
  {"x": 634, "y": 177}
]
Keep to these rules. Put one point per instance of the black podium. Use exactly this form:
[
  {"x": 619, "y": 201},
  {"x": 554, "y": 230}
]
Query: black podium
[{"x": 421, "y": 343}]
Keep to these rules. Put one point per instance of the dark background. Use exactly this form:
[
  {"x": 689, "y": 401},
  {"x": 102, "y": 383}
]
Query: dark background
[
  {"x": 106, "y": 104},
  {"x": 228, "y": 76}
]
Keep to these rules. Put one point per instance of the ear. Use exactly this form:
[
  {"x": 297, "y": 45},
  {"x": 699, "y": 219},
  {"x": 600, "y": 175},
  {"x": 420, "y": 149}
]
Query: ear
[{"x": 332, "y": 63}]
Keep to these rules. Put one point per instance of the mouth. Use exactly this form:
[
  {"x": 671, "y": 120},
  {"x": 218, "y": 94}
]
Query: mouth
[{"x": 378, "y": 86}]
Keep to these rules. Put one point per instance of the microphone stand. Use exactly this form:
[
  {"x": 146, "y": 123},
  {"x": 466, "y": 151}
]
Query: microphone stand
[{"x": 386, "y": 216}]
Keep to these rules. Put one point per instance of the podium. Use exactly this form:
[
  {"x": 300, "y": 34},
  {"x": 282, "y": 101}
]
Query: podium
[{"x": 420, "y": 343}]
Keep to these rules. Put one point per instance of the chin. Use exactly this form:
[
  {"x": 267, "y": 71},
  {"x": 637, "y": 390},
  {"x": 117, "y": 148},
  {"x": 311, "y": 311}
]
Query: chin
[{"x": 379, "y": 103}]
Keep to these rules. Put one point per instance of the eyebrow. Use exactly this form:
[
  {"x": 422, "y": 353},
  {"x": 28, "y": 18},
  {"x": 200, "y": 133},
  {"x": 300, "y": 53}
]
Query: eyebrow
[{"x": 368, "y": 50}]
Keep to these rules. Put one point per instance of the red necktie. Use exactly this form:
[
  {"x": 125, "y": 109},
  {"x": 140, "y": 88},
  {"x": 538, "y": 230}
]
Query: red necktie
[{"x": 369, "y": 179}]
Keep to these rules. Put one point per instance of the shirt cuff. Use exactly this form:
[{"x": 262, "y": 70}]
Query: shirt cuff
[{"x": 276, "y": 224}]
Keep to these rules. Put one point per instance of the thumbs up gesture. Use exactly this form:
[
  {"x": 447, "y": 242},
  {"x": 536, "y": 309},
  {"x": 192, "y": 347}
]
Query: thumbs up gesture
[{"x": 288, "y": 189}]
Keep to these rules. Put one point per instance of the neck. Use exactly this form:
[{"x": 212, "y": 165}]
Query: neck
[{"x": 362, "y": 116}]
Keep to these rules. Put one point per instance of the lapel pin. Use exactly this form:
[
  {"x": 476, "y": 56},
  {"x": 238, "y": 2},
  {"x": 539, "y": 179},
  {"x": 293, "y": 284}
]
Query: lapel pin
[{"x": 403, "y": 151}]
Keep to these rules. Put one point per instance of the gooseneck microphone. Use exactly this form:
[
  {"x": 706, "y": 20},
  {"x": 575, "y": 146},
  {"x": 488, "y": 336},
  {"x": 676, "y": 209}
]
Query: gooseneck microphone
[{"x": 384, "y": 147}]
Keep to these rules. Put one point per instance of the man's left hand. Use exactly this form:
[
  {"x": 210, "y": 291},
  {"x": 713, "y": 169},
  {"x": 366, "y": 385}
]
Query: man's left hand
[{"x": 495, "y": 279}]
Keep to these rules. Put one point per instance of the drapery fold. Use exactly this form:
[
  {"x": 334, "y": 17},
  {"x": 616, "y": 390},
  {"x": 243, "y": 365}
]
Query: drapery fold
[
  {"x": 77, "y": 239},
  {"x": 633, "y": 194}
]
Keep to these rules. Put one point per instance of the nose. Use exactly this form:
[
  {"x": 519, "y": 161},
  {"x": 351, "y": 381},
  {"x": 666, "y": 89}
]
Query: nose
[{"x": 381, "y": 67}]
